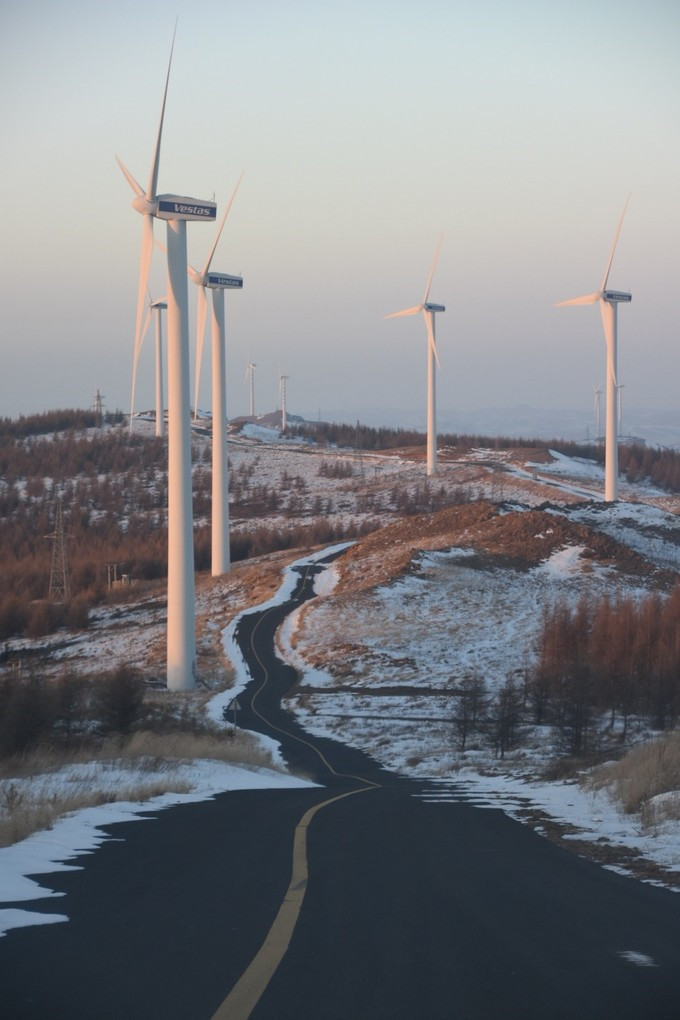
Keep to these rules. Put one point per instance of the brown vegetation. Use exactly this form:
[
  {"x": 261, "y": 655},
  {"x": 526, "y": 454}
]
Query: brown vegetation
[
  {"x": 113, "y": 489},
  {"x": 641, "y": 778},
  {"x": 518, "y": 539},
  {"x": 620, "y": 658}
]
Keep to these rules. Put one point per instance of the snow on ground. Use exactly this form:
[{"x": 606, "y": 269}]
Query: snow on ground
[
  {"x": 81, "y": 832},
  {"x": 422, "y": 633},
  {"x": 430, "y": 629}
]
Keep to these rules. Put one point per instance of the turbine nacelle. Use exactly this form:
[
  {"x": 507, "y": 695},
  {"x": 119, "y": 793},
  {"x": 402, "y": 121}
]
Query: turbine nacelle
[
  {"x": 616, "y": 295},
  {"x": 178, "y": 207},
  {"x": 223, "y": 281},
  {"x": 427, "y": 306}
]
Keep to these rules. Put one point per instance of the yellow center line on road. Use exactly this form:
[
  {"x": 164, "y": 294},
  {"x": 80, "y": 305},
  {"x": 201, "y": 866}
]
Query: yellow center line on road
[
  {"x": 279, "y": 729},
  {"x": 247, "y": 991}
]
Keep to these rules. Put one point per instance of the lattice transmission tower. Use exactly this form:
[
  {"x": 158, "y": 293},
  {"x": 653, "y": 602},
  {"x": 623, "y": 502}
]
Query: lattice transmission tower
[
  {"x": 98, "y": 407},
  {"x": 60, "y": 587}
]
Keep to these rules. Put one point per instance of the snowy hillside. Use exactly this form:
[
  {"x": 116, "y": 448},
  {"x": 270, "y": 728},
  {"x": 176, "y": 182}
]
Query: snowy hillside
[{"x": 413, "y": 608}]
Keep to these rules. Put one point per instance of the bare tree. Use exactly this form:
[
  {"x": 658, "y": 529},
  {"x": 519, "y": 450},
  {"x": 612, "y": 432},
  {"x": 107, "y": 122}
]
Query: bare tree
[{"x": 471, "y": 702}]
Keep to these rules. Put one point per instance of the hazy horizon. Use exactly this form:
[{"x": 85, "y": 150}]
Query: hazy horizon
[{"x": 363, "y": 131}]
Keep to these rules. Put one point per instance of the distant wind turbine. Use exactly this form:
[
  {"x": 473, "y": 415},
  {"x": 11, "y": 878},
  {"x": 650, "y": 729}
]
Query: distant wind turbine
[
  {"x": 282, "y": 393},
  {"x": 609, "y": 301},
  {"x": 176, "y": 210},
  {"x": 429, "y": 311},
  {"x": 250, "y": 375},
  {"x": 598, "y": 409},
  {"x": 619, "y": 387},
  {"x": 156, "y": 307},
  {"x": 217, "y": 283}
]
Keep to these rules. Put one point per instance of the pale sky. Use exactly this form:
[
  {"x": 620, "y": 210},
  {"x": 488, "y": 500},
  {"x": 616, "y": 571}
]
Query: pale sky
[{"x": 364, "y": 130}]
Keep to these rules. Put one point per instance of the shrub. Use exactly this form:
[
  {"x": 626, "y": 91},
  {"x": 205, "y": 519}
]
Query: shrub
[
  {"x": 27, "y": 714},
  {"x": 119, "y": 700}
]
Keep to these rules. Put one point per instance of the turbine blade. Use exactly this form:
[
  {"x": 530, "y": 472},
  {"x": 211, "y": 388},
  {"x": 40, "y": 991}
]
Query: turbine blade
[
  {"x": 137, "y": 188},
  {"x": 587, "y": 299},
  {"x": 206, "y": 267},
  {"x": 434, "y": 266},
  {"x": 144, "y": 265},
  {"x": 406, "y": 311},
  {"x": 153, "y": 176},
  {"x": 616, "y": 241},
  {"x": 202, "y": 309},
  {"x": 135, "y": 360}
]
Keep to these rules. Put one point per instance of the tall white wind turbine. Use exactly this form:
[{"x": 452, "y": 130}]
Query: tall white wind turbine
[
  {"x": 176, "y": 210},
  {"x": 217, "y": 283},
  {"x": 429, "y": 311},
  {"x": 609, "y": 301}
]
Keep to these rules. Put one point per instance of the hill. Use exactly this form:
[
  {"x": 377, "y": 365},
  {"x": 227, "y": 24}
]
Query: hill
[{"x": 441, "y": 640}]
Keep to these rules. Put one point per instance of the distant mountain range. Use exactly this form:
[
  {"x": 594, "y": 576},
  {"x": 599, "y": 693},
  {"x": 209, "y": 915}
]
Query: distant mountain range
[{"x": 651, "y": 426}]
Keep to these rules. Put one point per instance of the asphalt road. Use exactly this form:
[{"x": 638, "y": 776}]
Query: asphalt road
[{"x": 357, "y": 899}]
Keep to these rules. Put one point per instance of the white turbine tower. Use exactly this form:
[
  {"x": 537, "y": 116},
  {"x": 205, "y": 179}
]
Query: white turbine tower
[
  {"x": 175, "y": 210},
  {"x": 155, "y": 309},
  {"x": 250, "y": 377},
  {"x": 609, "y": 300},
  {"x": 282, "y": 394},
  {"x": 429, "y": 311},
  {"x": 217, "y": 283}
]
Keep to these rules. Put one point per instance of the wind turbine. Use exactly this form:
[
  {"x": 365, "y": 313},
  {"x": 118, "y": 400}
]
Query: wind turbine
[
  {"x": 282, "y": 393},
  {"x": 217, "y": 283},
  {"x": 609, "y": 301},
  {"x": 155, "y": 307},
  {"x": 598, "y": 408},
  {"x": 204, "y": 279},
  {"x": 429, "y": 311},
  {"x": 176, "y": 210},
  {"x": 250, "y": 375},
  {"x": 619, "y": 387}
]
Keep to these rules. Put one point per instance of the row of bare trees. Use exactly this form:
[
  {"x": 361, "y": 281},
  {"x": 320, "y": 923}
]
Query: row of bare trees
[{"x": 616, "y": 656}]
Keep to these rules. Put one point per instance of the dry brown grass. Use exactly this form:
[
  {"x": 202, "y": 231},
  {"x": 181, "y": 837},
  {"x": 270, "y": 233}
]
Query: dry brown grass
[
  {"x": 21, "y": 815},
  {"x": 645, "y": 773},
  {"x": 523, "y": 538},
  {"x": 150, "y": 759}
]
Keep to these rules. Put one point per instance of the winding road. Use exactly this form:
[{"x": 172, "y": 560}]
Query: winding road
[{"x": 362, "y": 898}]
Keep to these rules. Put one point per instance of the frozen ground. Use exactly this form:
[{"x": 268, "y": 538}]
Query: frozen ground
[{"x": 377, "y": 663}]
